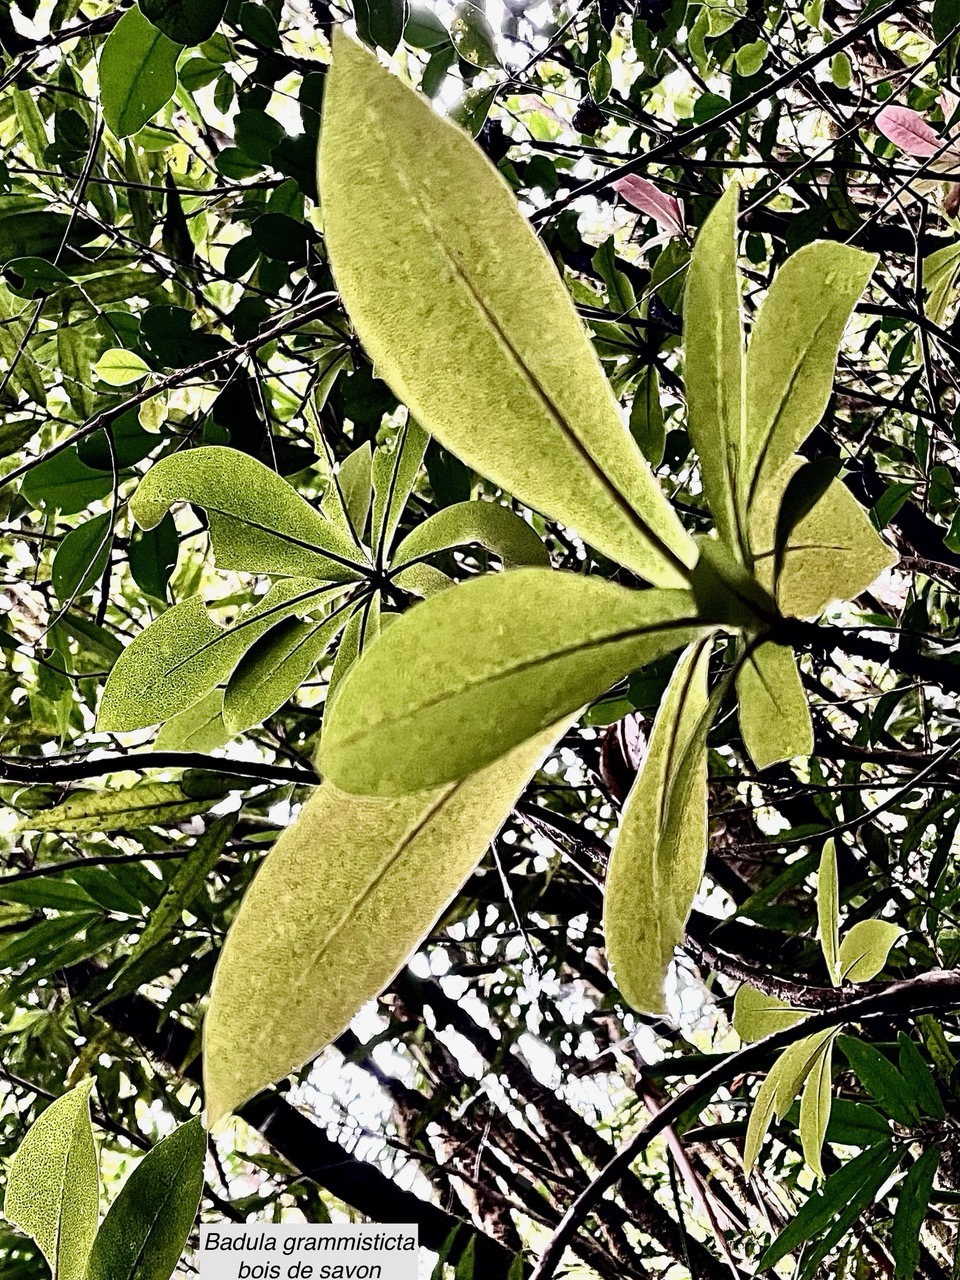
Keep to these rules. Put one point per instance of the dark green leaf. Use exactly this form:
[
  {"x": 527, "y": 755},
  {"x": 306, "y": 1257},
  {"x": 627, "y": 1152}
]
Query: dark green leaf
[
  {"x": 881, "y": 1080},
  {"x": 185, "y": 21},
  {"x": 912, "y": 1207}
]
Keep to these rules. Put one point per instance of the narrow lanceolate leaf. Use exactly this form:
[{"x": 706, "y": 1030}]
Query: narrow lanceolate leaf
[
  {"x": 394, "y": 476},
  {"x": 345, "y": 897},
  {"x": 53, "y": 1188},
  {"x": 828, "y": 910},
  {"x": 258, "y": 522},
  {"x": 833, "y": 553},
  {"x": 274, "y": 669},
  {"x": 774, "y": 714},
  {"x": 657, "y": 861},
  {"x": 912, "y": 1205},
  {"x": 490, "y": 525},
  {"x": 468, "y": 674},
  {"x": 138, "y": 73},
  {"x": 143, "y": 805},
  {"x": 792, "y": 356},
  {"x": 182, "y": 656},
  {"x": 815, "y": 1107},
  {"x": 756, "y": 1014},
  {"x": 775, "y": 1097},
  {"x": 713, "y": 362},
  {"x": 179, "y": 893},
  {"x": 865, "y": 948},
  {"x": 431, "y": 254},
  {"x": 146, "y": 1228}
]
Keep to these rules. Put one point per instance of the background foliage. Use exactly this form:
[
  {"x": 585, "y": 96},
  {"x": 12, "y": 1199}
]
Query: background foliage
[{"x": 165, "y": 286}]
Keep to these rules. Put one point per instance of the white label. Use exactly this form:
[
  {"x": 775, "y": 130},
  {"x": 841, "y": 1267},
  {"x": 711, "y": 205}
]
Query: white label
[{"x": 308, "y": 1251}]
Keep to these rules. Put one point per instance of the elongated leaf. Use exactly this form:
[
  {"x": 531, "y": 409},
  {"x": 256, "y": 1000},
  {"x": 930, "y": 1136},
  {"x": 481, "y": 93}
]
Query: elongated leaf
[
  {"x": 431, "y": 255},
  {"x": 275, "y": 668},
  {"x": 774, "y": 714},
  {"x": 258, "y": 522},
  {"x": 815, "y": 1107},
  {"x": 881, "y": 1080},
  {"x": 858, "y": 1203},
  {"x": 53, "y": 1188},
  {"x": 178, "y": 895},
  {"x": 199, "y": 728},
  {"x": 713, "y": 363},
  {"x": 182, "y": 656},
  {"x": 775, "y": 1096},
  {"x": 869, "y": 1169},
  {"x": 361, "y": 630},
  {"x": 393, "y": 480},
  {"x": 489, "y": 524},
  {"x": 756, "y": 1014},
  {"x": 146, "y": 1228},
  {"x": 828, "y": 910},
  {"x": 912, "y": 1206},
  {"x": 833, "y": 553},
  {"x": 81, "y": 558},
  {"x": 792, "y": 356},
  {"x": 143, "y": 805},
  {"x": 347, "y": 500},
  {"x": 345, "y": 897},
  {"x": 138, "y": 73},
  {"x": 761, "y": 1118},
  {"x": 658, "y": 858},
  {"x": 468, "y": 674},
  {"x": 864, "y": 949},
  {"x": 919, "y": 1078}
]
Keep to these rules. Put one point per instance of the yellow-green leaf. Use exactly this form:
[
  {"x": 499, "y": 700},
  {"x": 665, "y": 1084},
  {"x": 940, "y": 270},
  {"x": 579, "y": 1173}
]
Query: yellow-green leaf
[
  {"x": 776, "y": 1094},
  {"x": 468, "y": 674},
  {"x": 713, "y": 362},
  {"x": 815, "y": 1106},
  {"x": 347, "y": 894},
  {"x": 774, "y": 714},
  {"x": 792, "y": 356},
  {"x": 138, "y": 73},
  {"x": 864, "y": 949},
  {"x": 182, "y": 656},
  {"x": 657, "y": 861},
  {"x": 275, "y": 668},
  {"x": 143, "y": 805},
  {"x": 258, "y": 522},
  {"x": 833, "y": 553},
  {"x": 489, "y": 524},
  {"x": 118, "y": 367},
  {"x": 431, "y": 254},
  {"x": 53, "y": 1188},
  {"x": 828, "y": 910},
  {"x": 199, "y": 728},
  {"x": 756, "y": 1014}
]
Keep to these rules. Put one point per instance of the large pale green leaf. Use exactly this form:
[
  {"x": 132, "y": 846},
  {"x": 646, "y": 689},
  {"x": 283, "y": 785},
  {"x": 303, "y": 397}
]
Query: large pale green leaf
[
  {"x": 865, "y": 947},
  {"x": 756, "y": 1014},
  {"x": 138, "y": 73},
  {"x": 774, "y": 714},
  {"x": 275, "y": 668},
  {"x": 713, "y": 362},
  {"x": 469, "y": 673},
  {"x": 833, "y": 553},
  {"x": 146, "y": 1228},
  {"x": 142, "y": 805},
  {"x": 53, "y": 1188},
  {"x": 258, "y": 522},
  {"x": 344, "y": 898},
  {"x": 463, "y": 313},
  {"x": 792, "y": 357},
  {"x": 828, "y": 910},
  {"x": 182, "y": 656},
  {"x": 815, "y": 1103},
  {"x": 488, "y": 524},
  {"x": 657, "y": 861}
]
